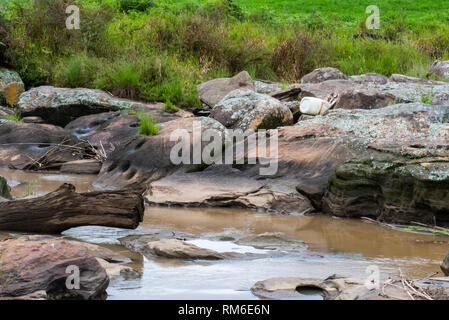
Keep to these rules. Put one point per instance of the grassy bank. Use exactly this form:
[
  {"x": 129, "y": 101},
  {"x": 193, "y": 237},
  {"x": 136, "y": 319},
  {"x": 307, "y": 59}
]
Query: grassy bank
[{"x": 160, "y": 50}]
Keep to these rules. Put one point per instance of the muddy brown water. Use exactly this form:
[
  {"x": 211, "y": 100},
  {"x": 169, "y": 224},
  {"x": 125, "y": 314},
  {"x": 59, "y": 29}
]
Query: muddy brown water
[{"x": 334, "y": 246}]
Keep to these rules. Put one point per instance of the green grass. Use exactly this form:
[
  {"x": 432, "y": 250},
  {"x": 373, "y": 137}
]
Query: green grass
[
  {"x": 148, "y": 125},
  {"x": 154, "y": 50},
  {"x": 14, "y": 117},
  {"x": 170, "y": 107}
]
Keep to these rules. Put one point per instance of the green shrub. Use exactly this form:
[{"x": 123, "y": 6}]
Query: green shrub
[
  {"x": 14, "y": 117},
  {"x": 135, "y": 5},
  {"x": 148, "y": 125},
  {"x": 170, "y": 107}
]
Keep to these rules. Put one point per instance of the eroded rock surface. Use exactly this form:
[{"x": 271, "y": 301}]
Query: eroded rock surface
[
  {"x": 143, "y": 159},
  {"x": 31, "y": 266}
]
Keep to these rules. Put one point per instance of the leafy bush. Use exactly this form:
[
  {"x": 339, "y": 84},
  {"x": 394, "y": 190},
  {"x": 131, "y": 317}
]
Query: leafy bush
[{"x": 170, "y": 107}]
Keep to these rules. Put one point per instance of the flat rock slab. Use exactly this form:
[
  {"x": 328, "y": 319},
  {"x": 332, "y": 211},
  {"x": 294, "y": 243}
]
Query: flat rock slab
[
  {"x": 31, "y": 266},
  {"x": 224, "y": 186}
]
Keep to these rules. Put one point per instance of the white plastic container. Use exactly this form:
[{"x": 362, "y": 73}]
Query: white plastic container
[{"x": 313, "y": 106}]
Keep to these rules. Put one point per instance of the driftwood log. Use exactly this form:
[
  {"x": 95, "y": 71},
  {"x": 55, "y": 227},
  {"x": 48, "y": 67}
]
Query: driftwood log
[{"x": 63, "y": 209}]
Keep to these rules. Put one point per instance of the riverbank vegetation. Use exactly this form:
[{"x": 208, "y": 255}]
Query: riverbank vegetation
[{"x": 157, "y": 50}]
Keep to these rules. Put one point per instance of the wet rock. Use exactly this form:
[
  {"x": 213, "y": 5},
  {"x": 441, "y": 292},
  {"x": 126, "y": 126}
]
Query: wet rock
[
  {"x": 440, "y": 68},
  {"x": 177, "y": 249},
  {"x": 31, "y": 266},
  {"x": 211, "y": 92},
  {"x": 22, "y": 144},
  {"x": 114, "y": 270},
  {"x": 137, "y": 243},
  {"x": 272, "y": 241},
  {"x": 11, "y": 86},
  {"x": 323, "y": 74},
  {"x": 344, "y": 288},
  {"x": 144, "y": 159},
  {"x": 445, "y": 265},
  {"x": 85, "y": 166},
  {"x": 246, "y": 109},
  {"x": 223, "y": 186}
]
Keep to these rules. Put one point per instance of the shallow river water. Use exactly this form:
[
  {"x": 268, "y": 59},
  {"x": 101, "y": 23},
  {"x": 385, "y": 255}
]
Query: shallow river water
[{"x": 332, "y": 246}]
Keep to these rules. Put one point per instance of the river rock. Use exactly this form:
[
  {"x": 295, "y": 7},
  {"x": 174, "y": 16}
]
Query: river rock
[
  {"x": 115, "y": 270},
  {"x": 22, "y": 144},
  {"x": 338, "y": 287},
  {"x": 440, "y": 68},
  {"x": 323, "y": 74},
  {"x": 445, "y": 265},
  {"x": 398, "y": 171},
  {"x": 143, "y": 159},
  {"x": 224, "y": 186},
  {"x": 11, "y": 86},
  {"x": 31, "y": 266},
  {"x": 246, "y": 109},
  {"x": 177, "y": 249},
  {"x": 211, "y": 92}
]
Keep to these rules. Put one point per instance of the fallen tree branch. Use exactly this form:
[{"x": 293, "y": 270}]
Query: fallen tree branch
[{"x": 63, "y": 209}]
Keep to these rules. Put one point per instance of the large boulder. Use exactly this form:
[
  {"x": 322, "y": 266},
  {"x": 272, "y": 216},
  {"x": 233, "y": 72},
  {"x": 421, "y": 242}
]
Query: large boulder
[
  {"x": 142, "y": 158},
  {"x": 323, "y": 74},
  {"x": 25, "y": 144},
  {"x": 395, "y": 166},
  {"x": 60, "y": 106},
  {"x": 440, "y": 68},
  {"x": 211, "y": 92},
  {"x": 31, "y": 266},
  {"x": 11, "y": 86},
  {"x": 246, "y": 109}
]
